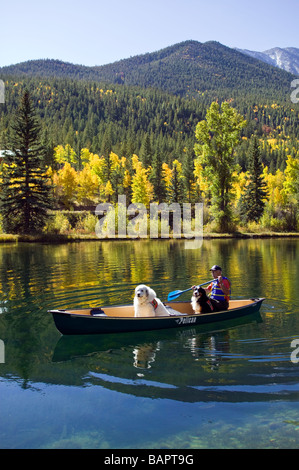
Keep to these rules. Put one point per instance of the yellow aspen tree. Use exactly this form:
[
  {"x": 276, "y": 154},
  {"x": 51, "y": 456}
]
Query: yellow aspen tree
[
  {"x": 85, "y": 156},
  {"x": 127, "y": 181},
  {"x": 291, "y": 183},
  {"x": 115, "y": 162},
  {"x": 275, "y": 186},
  {"x": 118, "y": 168},
  {"x": 201, "y": 180},
  {"x": 136, "y": 163},
  {"x": 65, "y": 181},
  {"x": 64, "y": 154},
  {"x": 239, "y": 184},
  {"x": 97, "y": 166},
  {"x": 142, "y": 189},
  {"x": 108, "y": 190},
  {"x": 88, "y": 185},
  {"x": 167, "y": 175}
]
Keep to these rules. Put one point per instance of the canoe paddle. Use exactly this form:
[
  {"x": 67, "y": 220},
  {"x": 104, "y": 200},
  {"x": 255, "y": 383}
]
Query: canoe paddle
[{"x": 176, "y": 293}]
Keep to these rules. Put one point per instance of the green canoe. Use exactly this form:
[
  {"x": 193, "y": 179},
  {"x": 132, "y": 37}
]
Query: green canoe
[{"x": 120, "y": 318}]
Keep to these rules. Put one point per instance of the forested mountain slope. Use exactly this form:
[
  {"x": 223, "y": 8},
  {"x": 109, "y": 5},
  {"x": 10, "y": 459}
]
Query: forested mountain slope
[
  {"x": 186, "y": 69},
  {"x": 103, "y": 109}
]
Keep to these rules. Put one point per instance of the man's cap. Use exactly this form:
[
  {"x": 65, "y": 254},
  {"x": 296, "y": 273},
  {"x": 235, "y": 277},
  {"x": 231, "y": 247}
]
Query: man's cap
[{"x": 215, "y": 268}]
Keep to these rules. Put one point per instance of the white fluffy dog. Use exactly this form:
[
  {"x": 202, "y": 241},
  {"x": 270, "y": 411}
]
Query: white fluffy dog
[{"x": 146, "y": 303}]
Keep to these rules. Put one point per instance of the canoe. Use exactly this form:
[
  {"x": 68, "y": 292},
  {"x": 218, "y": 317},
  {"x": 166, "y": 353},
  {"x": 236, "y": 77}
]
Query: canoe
[{"x": 120, "y": 318}]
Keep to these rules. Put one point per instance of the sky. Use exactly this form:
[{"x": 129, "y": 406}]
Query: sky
[{"x": 98, "y": 32}]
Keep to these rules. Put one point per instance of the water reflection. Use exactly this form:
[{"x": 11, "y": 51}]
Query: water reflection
[
  {"x": 243, "y": 362},
  {"x": 88, "y": 273},
  {"x": 145, "y": 355},
  {"x": 179, "y": 365}
]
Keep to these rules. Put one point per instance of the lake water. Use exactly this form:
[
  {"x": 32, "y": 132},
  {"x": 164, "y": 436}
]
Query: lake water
[{"x": 231, "y": 386}]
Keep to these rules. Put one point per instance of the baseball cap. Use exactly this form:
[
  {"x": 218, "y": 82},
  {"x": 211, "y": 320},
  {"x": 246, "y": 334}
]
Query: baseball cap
[{"x": 215, "y": 268}]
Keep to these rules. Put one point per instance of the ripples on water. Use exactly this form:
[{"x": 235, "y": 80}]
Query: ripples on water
[{"x": 230, "y": 386}]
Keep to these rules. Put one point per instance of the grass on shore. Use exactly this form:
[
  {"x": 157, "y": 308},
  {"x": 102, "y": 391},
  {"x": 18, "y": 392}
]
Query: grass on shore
[{"x": 66, "y": 238}]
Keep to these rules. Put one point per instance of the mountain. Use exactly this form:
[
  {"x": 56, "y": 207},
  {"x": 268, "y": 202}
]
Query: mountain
[
  {"x": 89, "y": 107},
  {"x": 285, "y": 58},
  {"x": 189, "y": 68}
]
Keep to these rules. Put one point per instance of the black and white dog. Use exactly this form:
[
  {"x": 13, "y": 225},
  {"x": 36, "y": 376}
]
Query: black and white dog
[{"x": 200, "y": 301}]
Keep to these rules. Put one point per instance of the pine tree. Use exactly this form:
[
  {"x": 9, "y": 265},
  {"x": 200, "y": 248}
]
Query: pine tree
[
  {"x": 146, "y": 151},
  {"x": 188, "y": 173},
  {"x": 156, "y": 178},
  {"x": 25, "y": 195},
  {"x": 253, "y": 201},
  {"x": 176, "y": 189}
]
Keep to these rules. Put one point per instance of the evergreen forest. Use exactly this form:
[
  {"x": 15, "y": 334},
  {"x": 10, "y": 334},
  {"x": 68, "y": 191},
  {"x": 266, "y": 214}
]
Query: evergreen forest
[{"x": 110, "y": 137}]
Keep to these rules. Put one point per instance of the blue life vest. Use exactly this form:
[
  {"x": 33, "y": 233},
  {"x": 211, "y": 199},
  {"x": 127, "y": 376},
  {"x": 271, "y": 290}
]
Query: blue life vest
[{"x": 217, "y": 293}]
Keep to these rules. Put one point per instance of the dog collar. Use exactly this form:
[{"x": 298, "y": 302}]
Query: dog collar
[{"x": 154, "y": 304}]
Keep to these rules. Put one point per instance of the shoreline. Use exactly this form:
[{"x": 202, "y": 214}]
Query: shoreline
[{"x": 71, "y": 238}]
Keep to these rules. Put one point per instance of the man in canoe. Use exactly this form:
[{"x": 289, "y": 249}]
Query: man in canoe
[{"x": 219, "y": 289}]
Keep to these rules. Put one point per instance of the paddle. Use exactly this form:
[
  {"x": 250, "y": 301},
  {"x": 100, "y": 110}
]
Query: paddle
[{"x": 176, "y": 293}]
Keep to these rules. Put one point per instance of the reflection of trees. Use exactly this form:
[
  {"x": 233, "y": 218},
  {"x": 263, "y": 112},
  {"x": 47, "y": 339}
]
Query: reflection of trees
[
  {"x": 255, "y": 266},
  {"x": 209, "y": 348},
  {"x": 185, "y": 365},
  {"x": 36, "y": 277},
  {"x": 75, "y": 273},
  {"x": 189, "y": 364},
  {"x": 144, "y": 261}
]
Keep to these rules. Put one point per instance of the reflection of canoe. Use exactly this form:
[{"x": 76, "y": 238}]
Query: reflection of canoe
[
  {"x": 69, "y": 347},
  {"x": 121, "y": 318}
]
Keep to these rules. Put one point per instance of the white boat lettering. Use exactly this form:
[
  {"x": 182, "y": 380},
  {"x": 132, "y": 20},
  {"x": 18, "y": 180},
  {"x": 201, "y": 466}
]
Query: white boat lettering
[{"x": 186, "y": 320}]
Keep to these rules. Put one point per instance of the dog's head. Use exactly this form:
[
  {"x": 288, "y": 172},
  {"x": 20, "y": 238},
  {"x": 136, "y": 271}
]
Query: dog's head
[
  {"x": 199, "y": 292},
  {"x": 144, "y": 293}
]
